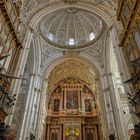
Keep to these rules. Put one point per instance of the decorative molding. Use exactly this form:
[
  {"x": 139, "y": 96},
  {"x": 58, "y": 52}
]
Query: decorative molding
[
  {"x": 29, "y": 7},
  {"x": 112, "y": 4},
  {"x": 98, "y": 49},
  {"x": 47, "y": 51},
  {"x": 72, "y": 68}
]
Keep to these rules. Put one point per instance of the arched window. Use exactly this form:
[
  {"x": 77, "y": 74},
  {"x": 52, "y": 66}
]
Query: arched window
[
  {"x": 51, "y": 37},
  {"x": 91, "y": 36},
  {"x": 71, "y": 41}
]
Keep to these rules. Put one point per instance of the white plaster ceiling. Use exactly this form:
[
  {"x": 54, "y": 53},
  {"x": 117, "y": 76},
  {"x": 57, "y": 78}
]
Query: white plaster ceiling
[
  {"x": 71, "y": 27},
  {"x": 29, "y": 4},
  {"x": 72, "y": 67}
]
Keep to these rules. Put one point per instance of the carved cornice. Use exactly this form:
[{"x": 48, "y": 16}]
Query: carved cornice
[
  {"x": 72, "y": 68},
  {"x": 32, "y": 6}
]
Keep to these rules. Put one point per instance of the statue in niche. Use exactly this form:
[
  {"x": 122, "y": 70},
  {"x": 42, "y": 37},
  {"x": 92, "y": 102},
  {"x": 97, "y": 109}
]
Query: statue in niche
[
  {"x": 56, "y": 105},
  {"x": 72, "y": 133},
  {"x": 72, "y": 99},
  {"x": 88, "y": 107}
]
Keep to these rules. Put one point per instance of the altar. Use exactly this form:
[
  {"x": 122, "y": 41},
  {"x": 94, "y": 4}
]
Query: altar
[{"x": 73, "y": 113}]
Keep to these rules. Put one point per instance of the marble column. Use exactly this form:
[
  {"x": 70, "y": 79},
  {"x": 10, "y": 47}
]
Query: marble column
[
  {"x": 117, "y": 112},
  {"x": 121, "y": 65},
  {"x": 105, "y": 102},
  {"x": 28, "y": 115},
  {"x": 35, "y": 111},
  {"x": 42, "y": 113}
]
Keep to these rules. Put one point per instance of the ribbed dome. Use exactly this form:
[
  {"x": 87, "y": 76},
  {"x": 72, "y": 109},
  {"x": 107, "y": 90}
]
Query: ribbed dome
[{"x": 71, "y": 28}]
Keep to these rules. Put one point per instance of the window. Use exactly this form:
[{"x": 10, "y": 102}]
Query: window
[
  {"x": 71, "y": 41},
  {"x": 92, "y": 36},
  {"x": 51, "y": 37}
]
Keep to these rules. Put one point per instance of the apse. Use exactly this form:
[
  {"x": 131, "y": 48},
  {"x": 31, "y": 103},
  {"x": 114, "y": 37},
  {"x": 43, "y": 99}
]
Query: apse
[
  {"x": 73, "y": 68},
  {"x": 73, "y": 111}
]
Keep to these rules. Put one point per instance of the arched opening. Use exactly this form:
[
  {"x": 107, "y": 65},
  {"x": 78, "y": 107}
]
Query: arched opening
[
  {"x": 63, "y": 51},
  {"x": 73, "y": 110},
  {"x": 63, "y": 75}
]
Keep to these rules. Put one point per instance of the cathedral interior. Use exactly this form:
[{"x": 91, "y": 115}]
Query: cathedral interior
[{"x": 69, "y": 69}]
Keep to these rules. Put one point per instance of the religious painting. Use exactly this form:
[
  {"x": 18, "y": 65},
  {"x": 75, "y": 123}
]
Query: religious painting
[
  {"x": 56, "y": 105},
  {"x": 54, "y": 136},
  {"x": 89, "y": 136},
  {"x": 72, "y": 99},
  {"x": 88, "y": 107}
]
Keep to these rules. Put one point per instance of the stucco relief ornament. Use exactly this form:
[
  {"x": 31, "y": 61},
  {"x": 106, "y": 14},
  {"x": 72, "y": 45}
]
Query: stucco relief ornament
[
  {"x": 97, "y": 49},
  {"x": 111, "y": 4},
  {"x": 75, "y": 1},
  {"x": 28, "y": 6},
  {"x": 70, "y": 1},
  {"x": 48, "y": 52},
  {"x": 32, "y": 5}
]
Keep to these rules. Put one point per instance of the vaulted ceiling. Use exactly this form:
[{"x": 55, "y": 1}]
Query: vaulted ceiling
[
  {"x": 29, "y": 4},
  {"x": 72, "y": 68},
  {"x": 71, "y": 27},
  {"x": 59, "y": 30},
  {"x": 30, "y": 7}
]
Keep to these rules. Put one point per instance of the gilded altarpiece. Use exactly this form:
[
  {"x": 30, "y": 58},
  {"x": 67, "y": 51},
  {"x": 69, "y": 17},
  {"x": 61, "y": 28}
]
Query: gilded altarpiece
[{"x": 73, "y": 113}]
